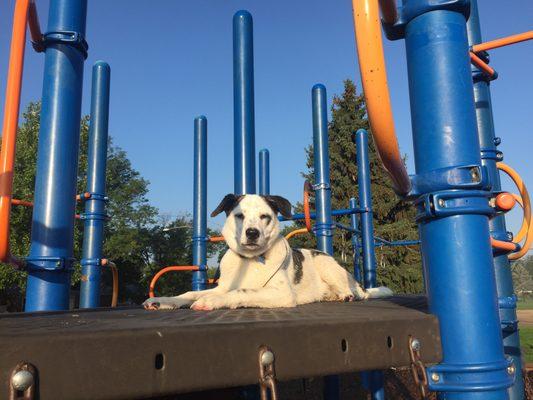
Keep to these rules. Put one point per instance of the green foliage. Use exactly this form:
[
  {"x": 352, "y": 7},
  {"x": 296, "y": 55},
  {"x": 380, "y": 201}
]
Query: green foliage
[{"x": 398, "y": 267}]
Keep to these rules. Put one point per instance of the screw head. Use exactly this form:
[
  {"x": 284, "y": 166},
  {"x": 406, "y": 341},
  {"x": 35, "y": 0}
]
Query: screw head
[
  {"x": 497, "y": 141},
  {"x": 441, "y": 202},
  {"x": 474, "y": 173},
  {"x": 435, "y": 377},
  {"x": 415, "y": 344},
  {"x": 511, "y": 369},
  {"x": 509, "y": 235},
  {"x": 267, "y": 358},
  {"x": 22, "y": 380},
  {"x": 499, "y": 156}
]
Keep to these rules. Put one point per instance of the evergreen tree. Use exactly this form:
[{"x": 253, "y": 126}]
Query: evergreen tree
[{"x": 398, "y": 267}]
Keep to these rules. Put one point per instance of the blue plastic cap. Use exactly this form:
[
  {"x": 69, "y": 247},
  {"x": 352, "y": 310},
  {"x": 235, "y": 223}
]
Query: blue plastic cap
[
  {"x": 101, "y": 64},
  {"x": 242, "y": 14},
  {"x": 319, "y": 86}
]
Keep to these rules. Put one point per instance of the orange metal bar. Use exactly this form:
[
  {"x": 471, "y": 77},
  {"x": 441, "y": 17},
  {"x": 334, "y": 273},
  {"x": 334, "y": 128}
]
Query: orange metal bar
[
  {"x": 376, "y": 91},
  {"x": 501, "y": 244},
  {"x": 114, "y": 271},
  {"x": 389, "y": 11},
  {"x": 481, "y": 64},
  {"x": 215, "y": 239},
  {"x": 24, "y": 203},
  {"x": 9, "y": 129},
  {"x": 494, "y": 44},
  {"x": 307, "y": 210},
  {"x": 296, "y": 232},
  {"x": 168, "y": 269},
  {"x": 33, "y": 23}
]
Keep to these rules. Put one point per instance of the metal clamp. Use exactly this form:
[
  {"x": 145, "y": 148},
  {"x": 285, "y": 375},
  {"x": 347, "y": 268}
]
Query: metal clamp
[
  {"x": 508, "y": 302},
  {"x": 321, "y": 185},
  {"x": 491, "y": 154},
  {"x": 74, "y": 39},
  {"x": 91, "y": 261},
  {"x": 94, "y": 216},
  {"x": 22, "y": 382},
  {"x": 196, "y": 239},
  {"x": 418, "y": 369},
  {"x": 453, "y": 202},
  {"x": 267, "y": 373},
  {"x": 93, "y": 196},
  {"x": 49, "y": 263},
  {"x": 323, "y": 229}
]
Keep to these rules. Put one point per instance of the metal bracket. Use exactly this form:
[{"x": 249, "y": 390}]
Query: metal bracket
[
  {"x": 469, "y": 176},
  {"x": 508, "y": 302},
  {"x": 453, "y": 202},
  {"x": 94, "y": 216},
  {"x": 491, "y": 154},
  {"x": 74, "y": 39},
  {"x": 471, "y": 377},
  {"x": 322, "y": 185},
  {"x": 323, "y": 229},
  {"x": 267, "y": 373},
  {"x": 196, "y": 239},
  {"x": 93, "y": 196},
  {"x": 91, "y": 261},
  {"x": 49, "y": 263}
]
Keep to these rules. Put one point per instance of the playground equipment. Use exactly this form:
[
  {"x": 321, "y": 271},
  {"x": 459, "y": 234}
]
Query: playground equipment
[{"x": 465, "y": 248}]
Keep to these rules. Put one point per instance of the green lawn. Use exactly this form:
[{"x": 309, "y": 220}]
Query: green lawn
[
  {"x": 525, "y": 304},
  {"x": 526, "y": 343}
]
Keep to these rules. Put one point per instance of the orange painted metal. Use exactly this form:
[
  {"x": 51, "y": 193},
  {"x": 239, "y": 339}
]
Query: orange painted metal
[
  {"x": 307, "y": 209},
  {"x": 494, "y": 44},
  {"x": 168, "y": 269},
  {"x": 214, "y": 239},
  {"x": 24, "y": 203},
  {"x": 376, "y": 90},
  {"x": 296, "y": 232},
  {"x": 481, "y": 64},
  {"x": 503, "y": 245},
  {"x": 9, "y": 129},
  {"x": 505, "y": 201}
]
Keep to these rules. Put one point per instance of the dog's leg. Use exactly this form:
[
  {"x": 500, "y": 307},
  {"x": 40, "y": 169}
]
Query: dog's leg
[
  {"x": 261, "y": 298},
  {"x": 183, "y": 300}
]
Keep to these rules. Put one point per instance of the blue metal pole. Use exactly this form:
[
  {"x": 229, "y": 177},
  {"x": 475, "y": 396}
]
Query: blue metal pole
[
  {"x": 323, "y": 227},
  {"x": 453, "y": 223},
  {"x": 243, "y": 103},
  {"x": 94, "y": 217},
  {"x": 50, "y": 260},
  {"x": 489, "y": 157},
  {"x": 264, "y": 172},
  {"x": 372, "y": 379},
  {"x": 199, "y": 239},
  {"x": 355, "y": 242}
]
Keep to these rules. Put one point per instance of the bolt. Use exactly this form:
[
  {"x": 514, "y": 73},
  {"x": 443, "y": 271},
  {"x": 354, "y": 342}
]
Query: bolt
[
  {"x": 474, "y": 173},
  {"x": 441, "y": 202},
  {"x": 509, "y": 235},
  {"x": 58, "y": 263},
  {"x": 415, "y": 344},
  {"x": 435, "y": 377},
  {"x": 267, "y": 358},
  {"x": 511, "y": 369},
  {"x": 497, "y": 141},
  {"x": 499, "y": 156},
  {"x": 22, "y": 380}
]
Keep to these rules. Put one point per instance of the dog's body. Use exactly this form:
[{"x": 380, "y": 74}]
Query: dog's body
[{"x": 261, "y": 270}]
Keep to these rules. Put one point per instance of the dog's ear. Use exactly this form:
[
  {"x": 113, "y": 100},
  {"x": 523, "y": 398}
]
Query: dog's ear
[
  {"x": 227, "y": 204},
  {"x": 279, "y": 204}
]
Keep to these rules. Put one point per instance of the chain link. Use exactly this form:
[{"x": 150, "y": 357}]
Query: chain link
[
  {"x": 267, "y": 374},
  {"x": 418, "y": 369}
]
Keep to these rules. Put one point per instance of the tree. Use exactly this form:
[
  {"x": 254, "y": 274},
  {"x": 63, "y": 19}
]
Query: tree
[
  {"x": 398, "y": 267},
  {"x": 522, "y": 279}
]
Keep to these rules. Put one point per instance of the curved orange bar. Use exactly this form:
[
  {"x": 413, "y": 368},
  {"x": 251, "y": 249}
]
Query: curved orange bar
[
  {"x": 24, "y": 203},
  {"x": 503, "y": 245},
  {"x": 215, "y": 239},
  {"x": 168, "y": 269},
  {"x": 296, "y": 232},
  {"x": 481, "y": 64},
  {"x": 307, "y": 209},
  {"x": 376, "y": 91},
  {"x": 527, "y": 222},
  {"x": 494, "y": 44},
  {"x": 9, "y": 129}
]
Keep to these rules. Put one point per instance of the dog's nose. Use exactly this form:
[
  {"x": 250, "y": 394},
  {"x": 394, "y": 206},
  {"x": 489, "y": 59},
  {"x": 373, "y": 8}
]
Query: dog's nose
[{"x": 252, "y": 233}]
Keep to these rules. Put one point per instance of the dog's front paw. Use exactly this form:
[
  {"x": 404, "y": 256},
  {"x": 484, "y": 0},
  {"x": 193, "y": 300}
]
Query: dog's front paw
[
  {"x": 164, "y": 303},
  {"x": 212, "y": 302}
]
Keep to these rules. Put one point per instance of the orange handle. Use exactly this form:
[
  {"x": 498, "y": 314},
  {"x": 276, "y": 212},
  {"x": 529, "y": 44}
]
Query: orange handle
[
  {"x": 503, "y": 245},
  {"x": 215, "y": 239},
  {"x": 481, "y": 64},
  {"x": 168, "y": 269},
  {"x": 296, "y": 232},
  {"x": 494, "y": 44},
  {"x": 307, "y": 208}
]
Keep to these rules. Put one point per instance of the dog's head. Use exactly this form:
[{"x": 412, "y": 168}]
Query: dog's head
[{"x": 252, "y": 222}]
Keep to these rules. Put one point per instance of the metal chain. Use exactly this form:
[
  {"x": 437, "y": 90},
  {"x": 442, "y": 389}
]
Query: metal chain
[
  {"x": 418, "y": 369},
  {"x": 267, "y": 374}
]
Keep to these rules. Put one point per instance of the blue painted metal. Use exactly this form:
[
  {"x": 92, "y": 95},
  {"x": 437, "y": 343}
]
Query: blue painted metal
[
  {"x": 373, "y": 379},
  {"x": 199, "y": 215},
  {"x": 50, "y": 259},
  {"x": 354, "y": 225},
  {"x": 334, "y": 213},
  {"x": 264, "y": 172},
  {"x": 456, "y": 251},
  {"x": 243, "y": 103},
  {"x": 93, "y": 234},
  {"x": 490, "y": 155},
  {"x": 323, "y": 227}
]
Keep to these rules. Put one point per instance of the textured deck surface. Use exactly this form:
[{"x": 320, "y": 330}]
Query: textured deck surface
[{"x": 131, "y": 353}]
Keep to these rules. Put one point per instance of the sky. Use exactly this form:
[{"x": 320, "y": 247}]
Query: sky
[{"x": 172, "y": 61}]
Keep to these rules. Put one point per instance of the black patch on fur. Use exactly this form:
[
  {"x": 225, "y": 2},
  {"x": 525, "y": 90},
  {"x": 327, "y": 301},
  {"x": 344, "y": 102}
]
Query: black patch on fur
[
  {"x": 228, "y": 203},
  {"x": 280, "y": 205},
  {"x": 246, "y": 290},
  {"x": 298, "y": 259},
  {"x": 315, "y": 253}
]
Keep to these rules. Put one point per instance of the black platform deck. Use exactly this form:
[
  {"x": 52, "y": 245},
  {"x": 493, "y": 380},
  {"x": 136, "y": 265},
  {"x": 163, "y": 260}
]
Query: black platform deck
[{"x": 132, "y": 353}]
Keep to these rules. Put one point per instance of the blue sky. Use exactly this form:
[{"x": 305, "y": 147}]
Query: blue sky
[{"x": 172, "y": 61}]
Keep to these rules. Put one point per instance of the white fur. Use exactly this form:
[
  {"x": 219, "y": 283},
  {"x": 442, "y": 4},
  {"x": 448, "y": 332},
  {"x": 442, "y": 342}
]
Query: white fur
[{"x": 250, "y": 275}]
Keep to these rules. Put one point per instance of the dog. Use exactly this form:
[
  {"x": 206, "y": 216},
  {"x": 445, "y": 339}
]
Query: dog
[{"x": 261, "y": 270}]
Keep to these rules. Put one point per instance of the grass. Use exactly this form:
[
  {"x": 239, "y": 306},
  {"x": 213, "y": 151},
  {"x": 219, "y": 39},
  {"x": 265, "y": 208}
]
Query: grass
[
  {"x": 526, "y": 343},
  {"x": 525, "y": 304}
]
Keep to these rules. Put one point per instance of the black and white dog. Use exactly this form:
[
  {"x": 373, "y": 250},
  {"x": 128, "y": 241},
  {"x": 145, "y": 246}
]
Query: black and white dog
[{"x": 261, "y": 270}]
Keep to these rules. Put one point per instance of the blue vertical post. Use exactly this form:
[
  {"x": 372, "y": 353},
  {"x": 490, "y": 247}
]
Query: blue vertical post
[
  {"x": 489, "y": 156},
  {"x": 199, "y": 239},
  {"x": 373, "y": 380},
  {"x": 50, "y": 260},
  {"x": 323, "y": 226},
  {"x": 94, "y": 217},
  {"x": 243, "y": 103},
  {"x": 354, "y": 224},
  {"x": 453, "y": 216},
  {"x": 264, "y": 172}
]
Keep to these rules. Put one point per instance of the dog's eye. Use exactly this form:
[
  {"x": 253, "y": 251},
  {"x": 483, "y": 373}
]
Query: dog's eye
[
  {"x": 239, "y": 216},
  {"x": 266, "y": 216}
]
